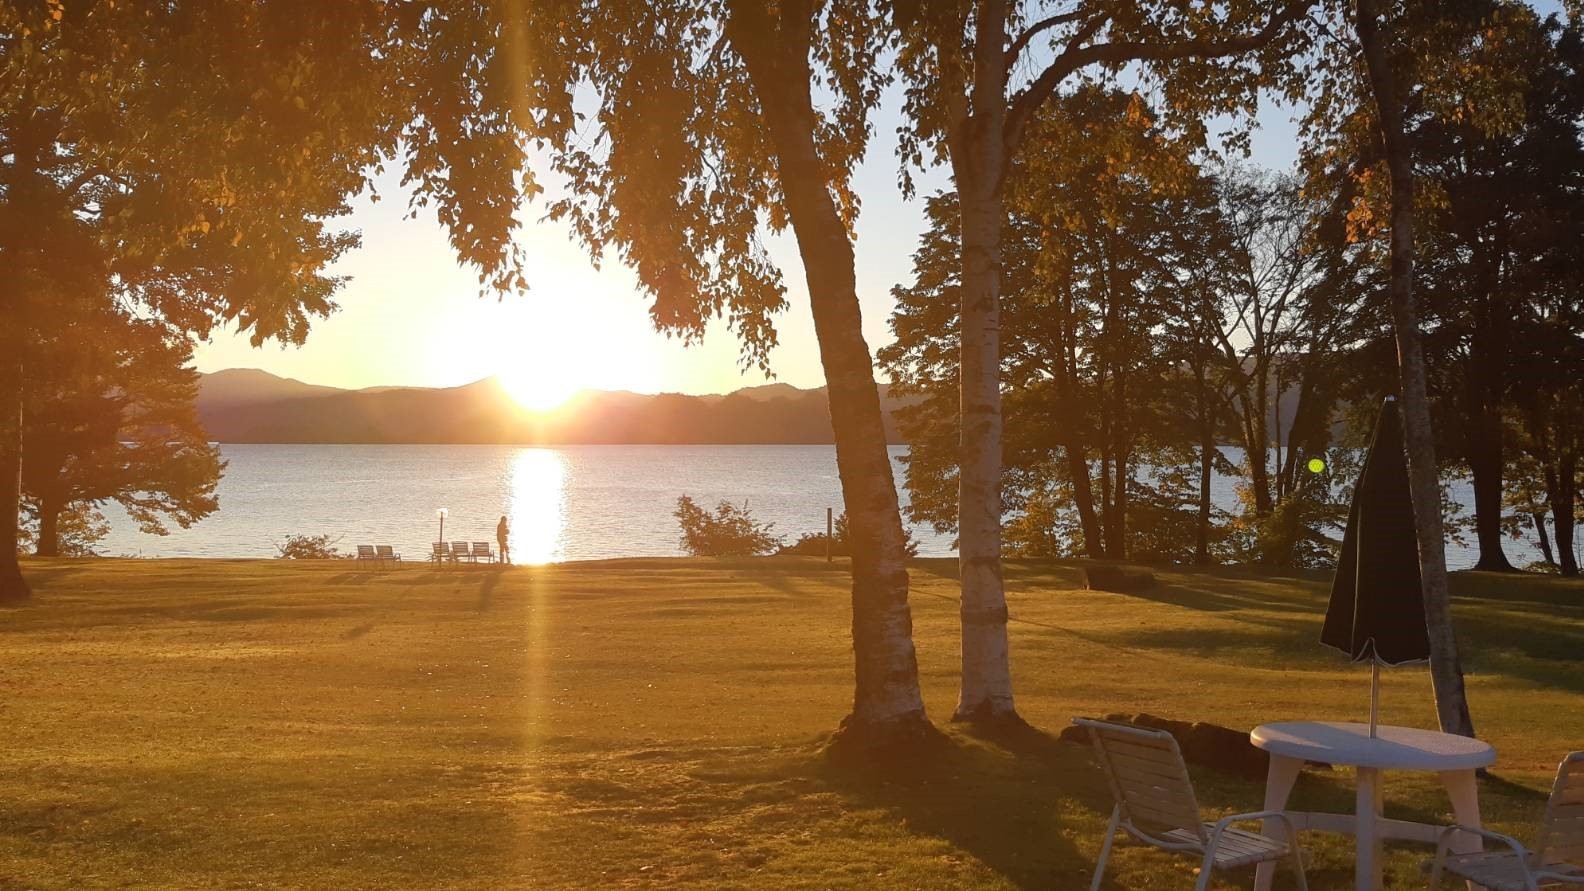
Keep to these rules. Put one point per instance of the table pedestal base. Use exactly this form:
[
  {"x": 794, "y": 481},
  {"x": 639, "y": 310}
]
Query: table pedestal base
[{"x": 1366, "y": 824}]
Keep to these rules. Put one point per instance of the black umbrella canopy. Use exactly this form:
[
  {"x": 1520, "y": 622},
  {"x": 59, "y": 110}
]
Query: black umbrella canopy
[{"x": 1377, "y": 610}]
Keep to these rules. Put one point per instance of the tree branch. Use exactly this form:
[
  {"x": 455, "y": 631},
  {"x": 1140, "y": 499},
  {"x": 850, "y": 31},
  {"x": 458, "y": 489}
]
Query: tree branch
[
  {"x": 1077, "y": 57},
  {"x": 1034, "y": 30},
  {"x": 1026, "y": 102}
]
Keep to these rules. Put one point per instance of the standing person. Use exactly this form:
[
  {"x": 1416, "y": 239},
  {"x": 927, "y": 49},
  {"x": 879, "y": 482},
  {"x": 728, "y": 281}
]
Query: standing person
[{"x": 503, "y": 536}]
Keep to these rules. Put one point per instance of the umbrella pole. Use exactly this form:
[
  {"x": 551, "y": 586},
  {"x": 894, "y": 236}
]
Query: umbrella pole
[{"x": 1374, "y": 695}]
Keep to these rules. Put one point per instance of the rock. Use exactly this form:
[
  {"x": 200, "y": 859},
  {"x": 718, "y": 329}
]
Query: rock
[
  {"x": 1118, "y": 579},
  {"x": 1207, "y": 745}
]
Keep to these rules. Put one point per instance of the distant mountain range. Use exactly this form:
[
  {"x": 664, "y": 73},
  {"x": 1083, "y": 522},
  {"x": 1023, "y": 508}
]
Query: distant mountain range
[{"x": 246, "y": 405}]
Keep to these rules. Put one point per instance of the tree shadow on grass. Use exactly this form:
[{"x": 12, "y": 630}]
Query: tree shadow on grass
[
  {"x": 354, "y": 577},
  {"x": 486, "y": 591},
  {"x": 40, "y": 577},
  {"x": 1230, "y": 595},
  {"x": 1033, "y": 808},
  {"x": 1004, "y": 805},
  {"x": 1519, "y": 589}
]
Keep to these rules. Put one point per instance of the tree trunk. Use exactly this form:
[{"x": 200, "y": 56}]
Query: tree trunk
[
  {"x": 978, "y": 158},
  {"x": 1484, "y": 457},
  {"x": 1206, "y": 467},
  {"x": 1117, "y": 545},
  {"x": 1563, "y": 506},
  {"x": 13, "y": 586},
  {"x": 986, "y": 691},
  {"x": 1083, "y": 498},
  {"x": 1257, "y": 444},
  {"x": 1071, "y": 441},
  {"x": 49, "y": 527},
  {"x": 887, "y": 705},
  {"x": 1538, "y": 518},
  {"x": 1446, "y": 671}
]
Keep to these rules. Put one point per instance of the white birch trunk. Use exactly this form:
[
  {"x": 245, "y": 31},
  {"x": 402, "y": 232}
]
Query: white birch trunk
[{"x": 979, "y": 163}]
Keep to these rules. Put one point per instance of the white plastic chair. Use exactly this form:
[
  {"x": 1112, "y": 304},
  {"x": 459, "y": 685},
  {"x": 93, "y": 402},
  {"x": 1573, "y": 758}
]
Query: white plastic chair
[
  {"x": 1155, "y": 804},
  {"x": 1558, "y": 855}
]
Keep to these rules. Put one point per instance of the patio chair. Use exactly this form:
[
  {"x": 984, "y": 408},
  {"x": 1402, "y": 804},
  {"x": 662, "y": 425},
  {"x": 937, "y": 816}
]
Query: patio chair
[
  {"x": 481, "y": 551},
  {"x": 459, "y": 552},
  {"x": 1155, "y": 804},
  {"x": 439, "y": 553},
  {"x": 366, "y": 552},
  {"x": 1558, "y": 855},
  {"x": 387, "y": 553}
]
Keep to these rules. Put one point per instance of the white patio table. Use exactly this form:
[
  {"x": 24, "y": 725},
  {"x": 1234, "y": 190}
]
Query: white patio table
[{"x": 1292, "y": 743}]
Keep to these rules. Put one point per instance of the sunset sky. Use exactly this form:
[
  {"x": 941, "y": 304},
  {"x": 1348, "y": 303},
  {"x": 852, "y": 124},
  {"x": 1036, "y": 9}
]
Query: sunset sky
[{"x": 410, "y": 316}]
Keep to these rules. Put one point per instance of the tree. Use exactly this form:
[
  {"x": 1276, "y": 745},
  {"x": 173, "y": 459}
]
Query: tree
[
  {"x": 1285, "y": 310},
  {"x": 1548, "y": 470},
  {"x": 704, "y": 129},
  {"x": 112, "y": 417},
  {"x": 967, "y": 109},
  {"x": 1499, "y": 232},
  {"x": 729, "y": 532},
  {"x": 1113, "y": 237},
  {"x": 1379, "y": 35},
  {"x": 181, "y": 159},
  {"x": 78, "y": 530}
]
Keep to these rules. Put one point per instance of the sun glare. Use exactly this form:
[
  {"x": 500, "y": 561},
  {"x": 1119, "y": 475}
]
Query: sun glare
[
  {"x": 536, "y": 384},
  {"x": 538, "y": 506}
]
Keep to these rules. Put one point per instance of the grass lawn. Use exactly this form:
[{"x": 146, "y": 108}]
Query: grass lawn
[{"x": 231, "y": 724}]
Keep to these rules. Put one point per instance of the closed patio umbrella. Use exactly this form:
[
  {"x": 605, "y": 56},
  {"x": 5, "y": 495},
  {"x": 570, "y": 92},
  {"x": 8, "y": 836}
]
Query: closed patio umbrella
[{"x": 1377, "y": 607}]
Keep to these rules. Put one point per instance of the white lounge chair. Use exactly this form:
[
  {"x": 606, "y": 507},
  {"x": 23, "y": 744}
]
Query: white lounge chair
[
  {"x": 366, "y": 552},
  {"x": 386, "y": 553},
  {"x": 438, "y": 552},
  {"x": 1155, "y": 804},
  {"x": 482, "y": 552},
  {"x": 459, "y": 552},
  {"x": 1558, "y": 855}
]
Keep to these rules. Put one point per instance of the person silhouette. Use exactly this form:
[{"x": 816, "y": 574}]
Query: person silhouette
[{"x": 503, "y": 536}]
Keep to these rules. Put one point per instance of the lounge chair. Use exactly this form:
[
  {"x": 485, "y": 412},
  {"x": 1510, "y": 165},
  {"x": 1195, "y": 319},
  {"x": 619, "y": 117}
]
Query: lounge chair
[
  {"x": 482, "y": 552},
  {"x": 1151, "y": 786},
  {"x": 438, "y": 552},
  {"x": 459, "y": 552},
  {"x": 387, "y": 553},
  {"x": 1558, "y": 855},
  {"x": 366, "y": 552}
]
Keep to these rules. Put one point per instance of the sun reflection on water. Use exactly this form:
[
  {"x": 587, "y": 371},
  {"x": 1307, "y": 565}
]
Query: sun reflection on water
[{"x": 538, "y": 506}]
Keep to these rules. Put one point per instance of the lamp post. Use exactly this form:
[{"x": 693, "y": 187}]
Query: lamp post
[{"x": 441, "y": 513}]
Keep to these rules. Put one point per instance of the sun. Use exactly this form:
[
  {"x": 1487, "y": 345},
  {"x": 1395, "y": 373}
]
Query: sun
[{"x": 538, "y": 383}]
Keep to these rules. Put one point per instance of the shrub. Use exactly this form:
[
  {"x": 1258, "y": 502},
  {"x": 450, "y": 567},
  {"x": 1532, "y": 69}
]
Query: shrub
[
  {"x": 308, "y": 547},
  {"x": 813, "y": 543},
  {"x": 729, "y": 532}
]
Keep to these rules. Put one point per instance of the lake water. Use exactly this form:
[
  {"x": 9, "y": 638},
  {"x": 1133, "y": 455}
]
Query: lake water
[{"x": 564, "y": 503}]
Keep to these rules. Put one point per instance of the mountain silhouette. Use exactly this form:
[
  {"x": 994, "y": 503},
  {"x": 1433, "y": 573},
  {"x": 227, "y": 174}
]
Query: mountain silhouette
[{"x": 253, "y": 406}]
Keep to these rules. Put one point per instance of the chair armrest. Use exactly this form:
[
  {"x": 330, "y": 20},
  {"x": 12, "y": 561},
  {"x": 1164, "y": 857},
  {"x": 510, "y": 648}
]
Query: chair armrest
[
  {"x": 1517, "y": 847},
  {"x": 1513, "y": 843},
  {"x": 1224, "y": 822}
]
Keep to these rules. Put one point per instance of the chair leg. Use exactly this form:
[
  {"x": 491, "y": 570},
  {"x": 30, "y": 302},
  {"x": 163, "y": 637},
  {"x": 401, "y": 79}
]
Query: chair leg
[
  {"x": 1297, "y": 858},
  {"x": 1206, "y": 866},
  {"x": 1105, "y": 848},
  {"x": 1438, "y": 864}
]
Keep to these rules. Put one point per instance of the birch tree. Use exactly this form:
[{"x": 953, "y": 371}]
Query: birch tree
[{"x": 977, "y": 71}]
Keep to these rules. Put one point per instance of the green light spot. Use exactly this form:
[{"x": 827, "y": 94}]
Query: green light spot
[{"x": 1316, "y": 465}]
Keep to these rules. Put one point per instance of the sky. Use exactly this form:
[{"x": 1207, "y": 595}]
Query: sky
[{"x": 410, "y": 316}]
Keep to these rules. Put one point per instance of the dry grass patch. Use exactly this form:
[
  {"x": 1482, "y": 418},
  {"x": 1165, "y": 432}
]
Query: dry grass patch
[{"x": 658, "y": 723}]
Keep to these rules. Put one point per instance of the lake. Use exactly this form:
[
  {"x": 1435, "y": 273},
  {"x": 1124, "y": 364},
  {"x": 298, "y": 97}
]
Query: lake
[{"x": 564, "y": 503}]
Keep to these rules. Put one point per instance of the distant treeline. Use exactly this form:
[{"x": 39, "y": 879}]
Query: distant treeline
[{"x": 482, "y": 413}]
